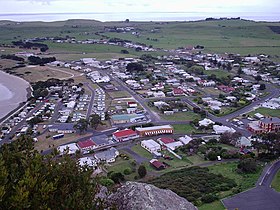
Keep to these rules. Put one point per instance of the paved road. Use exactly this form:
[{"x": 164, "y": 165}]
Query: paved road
[
  {"x": 262, "y": 197},
  {"x": 91, "y": 100}
]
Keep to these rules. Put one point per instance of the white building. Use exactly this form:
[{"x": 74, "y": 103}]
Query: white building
[
  {"x": 150, "y": 145},
  {"x": 185, "y": 139},
  {"x": 69, "y": 149},
  {"x": 222, "y": 129},
  {"x": 205, "y": 122},
  {"x": 174, "y": 145},
  {"x": 87, "y": 161}
]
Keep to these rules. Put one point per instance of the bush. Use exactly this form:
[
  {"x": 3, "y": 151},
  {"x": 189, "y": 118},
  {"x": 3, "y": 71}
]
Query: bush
[
  {"x": 142, "y": 171},
  {"x": 209, "y": 198},
  {"x": 107, "y": 182},
  {"x": 127, "y": 171},
  {"x": 248, "y": 165}
]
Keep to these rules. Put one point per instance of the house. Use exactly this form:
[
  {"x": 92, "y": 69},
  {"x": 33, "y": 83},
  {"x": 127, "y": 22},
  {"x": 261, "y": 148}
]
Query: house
[
  {"x": 87, "y": 161},
  {"x": 100, "y": 140},
  {"x": 125, "y": 135},
  {"x": 159, "y": 94},
  {"x": 157, "y": 164},
  {"x": 205, "y": 122},
  {"x": 68, "y": 149},
  {"x": 222, "y": 129},
  {"x": 125, "y": 118},
  {"x": 108, "y": 156},
  {"x": 164, "y": 141},
  {"x": 62, "y": 128},
  {"x": 132, "y": 104},
  {"x": 185, "y": 139},
  {"x": 225, "y": 88},
  {"x": 177, "y": 92},
  {"x": 174, "y": 145},
  {"x": 243, "y": 142},
  {"x": 150, "y": 145},
  {"x": 154, "y": 130},
  {"x": 86, "y": 146}
]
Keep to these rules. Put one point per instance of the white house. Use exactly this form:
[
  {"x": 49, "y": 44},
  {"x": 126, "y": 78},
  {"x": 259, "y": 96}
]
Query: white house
[
  {"x": 174, "y": 145},
  {"x": 150, "y": 145},
  {"x": 185, "y": 139},
  {"x": 205, "y": 122},
  {"x": 91, "y": 162},
  {"x": 108, "y": 155},
  {"x": 69, "y": 149},
  {"x": 222, "y": 129}
]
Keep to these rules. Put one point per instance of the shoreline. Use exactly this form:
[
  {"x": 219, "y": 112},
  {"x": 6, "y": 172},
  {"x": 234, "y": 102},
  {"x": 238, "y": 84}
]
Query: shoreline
[{"x": 21, "y": 92}]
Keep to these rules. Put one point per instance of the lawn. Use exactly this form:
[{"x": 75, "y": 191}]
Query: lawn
[
  {"x": 182, "y": 116},
  {"x": 141, "y": 151},
  {"x": 119, "y": 94},
  {"x": 276, "y": 182},
  {"x": 219, "y": 73},
  {"x": 266, "y": 112},
  {"x": 216, "y": 205},
  {"x": 196, "y": 159},
  {"x": 244, "y": 181},
  {"x": 184, "y": 129}
]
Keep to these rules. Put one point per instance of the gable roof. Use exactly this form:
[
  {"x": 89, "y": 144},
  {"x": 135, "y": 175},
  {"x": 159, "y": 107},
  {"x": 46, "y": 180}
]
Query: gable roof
[
  {"x": 166, "y": 140},
  {"x": 124, "y": 133},
  {"x": 86, "y": 143}
]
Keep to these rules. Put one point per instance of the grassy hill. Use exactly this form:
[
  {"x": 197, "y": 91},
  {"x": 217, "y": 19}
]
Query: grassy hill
[{"x": 231, "y": 36}]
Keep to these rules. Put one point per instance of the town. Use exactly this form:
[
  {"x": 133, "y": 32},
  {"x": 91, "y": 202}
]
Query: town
[{"x": 165, "y": 112}]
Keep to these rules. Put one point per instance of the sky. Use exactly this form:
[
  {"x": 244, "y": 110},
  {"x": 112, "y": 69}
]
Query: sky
[{"x": 116, "y": 6}]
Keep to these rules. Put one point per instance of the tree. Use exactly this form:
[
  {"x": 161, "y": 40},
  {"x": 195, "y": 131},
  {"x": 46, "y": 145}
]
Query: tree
[
  {"x": 142, "y": 171},
  {"x": 124, "y": 51},
  {"x": 95, "y": 120},
  {"x": 262, "y": 86},
  {"x": 29, "y": 180},
  {"x": 239, "y": 71},
  {"x": 248, "y": 165},
  {"x": 82, "y": 125},
  {"x": 131, "y": 67},
  {"x": 258, "y": 78}
]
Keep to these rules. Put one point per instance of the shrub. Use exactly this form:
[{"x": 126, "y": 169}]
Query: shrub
[
  {"x": 127, "y": 171},
  {"x": 209, "y": 198}
]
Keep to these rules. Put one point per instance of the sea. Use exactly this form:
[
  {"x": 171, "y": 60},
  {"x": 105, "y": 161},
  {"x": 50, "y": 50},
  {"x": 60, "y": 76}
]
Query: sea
[
  {"x": 5, "y": 93},
  {"x": 141, "y": 16}
]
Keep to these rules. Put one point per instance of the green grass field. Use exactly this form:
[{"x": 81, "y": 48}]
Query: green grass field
[
  {"x": 181, "y": 116},
  {"x": 276, "y": 182},
  {"x": 266, "y": 112},
  {"x": 184, "y": 129},
  {"x": 141, "y": 151},
  {"x": 231, "y": 36},
  {"x": 219, "y": 73},
  {"x": 244, "y": 181}
]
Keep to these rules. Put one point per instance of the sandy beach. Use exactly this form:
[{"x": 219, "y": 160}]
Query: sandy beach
[{"x": 16, "y": 93}]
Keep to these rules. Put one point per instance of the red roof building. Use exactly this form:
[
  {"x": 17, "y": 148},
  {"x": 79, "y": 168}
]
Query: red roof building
[
  {"x": 164, "y": 141},
  {"x": 125, "y": 135},
  {"x": 177, "y": 92},
  {"x": 86, "y": 145},
  {"x": 225, "y": 88},
  {"x": 157, "y": 164}
]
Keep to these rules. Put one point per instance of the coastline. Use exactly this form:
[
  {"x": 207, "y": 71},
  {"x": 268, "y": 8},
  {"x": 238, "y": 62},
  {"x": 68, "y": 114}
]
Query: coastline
[{"x": 21, "y": 90}]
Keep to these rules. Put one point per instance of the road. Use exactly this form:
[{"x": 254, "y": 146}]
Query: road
[
  {"x": 90, "y": 106},
  {"x": 261, "y": 197}
]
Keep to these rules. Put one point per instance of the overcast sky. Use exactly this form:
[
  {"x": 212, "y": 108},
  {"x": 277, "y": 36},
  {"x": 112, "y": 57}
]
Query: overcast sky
[{"x": 86, "y": 6}]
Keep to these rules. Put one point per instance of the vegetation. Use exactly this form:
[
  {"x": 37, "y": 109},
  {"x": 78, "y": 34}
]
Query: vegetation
[
  {"x": 35, "y": 60},
  {"x": 32, "y": 181},
  {"x": 142, "y": 171},
  {"x": 195, "y": 184},
  {"x": 276, "y": 182}
]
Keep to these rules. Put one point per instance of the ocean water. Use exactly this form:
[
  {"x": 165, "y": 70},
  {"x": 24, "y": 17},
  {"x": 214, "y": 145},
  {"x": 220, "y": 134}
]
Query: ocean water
[
  {"x": 5, "y": 94},
  {"x": 139, "y": 16}
]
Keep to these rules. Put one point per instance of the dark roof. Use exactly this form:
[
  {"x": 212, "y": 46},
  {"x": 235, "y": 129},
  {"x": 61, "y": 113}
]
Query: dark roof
[
  {"x": 62, "y": 126},
  {"x": 100, "y": 140},
  {"x": 271, "y": 120}
]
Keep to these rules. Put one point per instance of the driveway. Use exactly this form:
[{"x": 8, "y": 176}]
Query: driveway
[{"x": 262, "y": 197}]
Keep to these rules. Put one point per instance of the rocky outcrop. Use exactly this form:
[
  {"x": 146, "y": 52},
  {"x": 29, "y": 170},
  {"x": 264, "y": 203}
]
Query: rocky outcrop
[{"x": 140, "y": 196}]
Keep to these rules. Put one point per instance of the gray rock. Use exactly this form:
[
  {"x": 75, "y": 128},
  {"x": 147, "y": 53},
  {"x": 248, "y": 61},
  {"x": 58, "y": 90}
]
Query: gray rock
[{"x": 141, "y": 196}]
